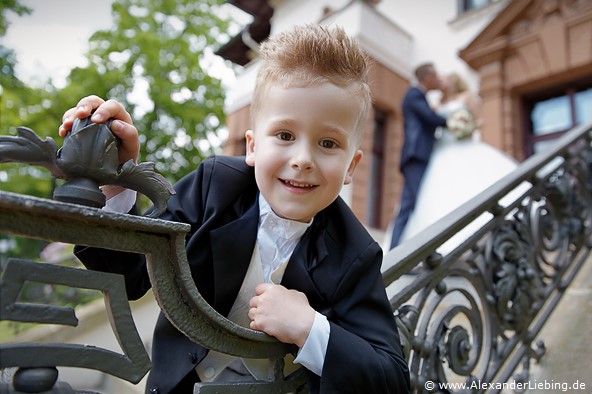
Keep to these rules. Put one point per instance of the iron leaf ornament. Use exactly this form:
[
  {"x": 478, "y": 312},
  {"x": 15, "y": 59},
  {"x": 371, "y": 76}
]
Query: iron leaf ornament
[{"x": 87, "y": 160}]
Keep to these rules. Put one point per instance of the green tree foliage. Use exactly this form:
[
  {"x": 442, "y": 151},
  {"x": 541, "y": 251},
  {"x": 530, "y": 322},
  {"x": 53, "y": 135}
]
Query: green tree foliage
[
  {"x": 157, "y": 61},
  {"x": 159, "y": 49},
  {"x": 21, "y": 105}
]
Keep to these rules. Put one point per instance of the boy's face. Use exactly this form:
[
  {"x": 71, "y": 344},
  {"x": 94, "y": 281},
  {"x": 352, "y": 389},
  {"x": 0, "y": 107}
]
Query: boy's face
[{"x": 303, "y": 148}]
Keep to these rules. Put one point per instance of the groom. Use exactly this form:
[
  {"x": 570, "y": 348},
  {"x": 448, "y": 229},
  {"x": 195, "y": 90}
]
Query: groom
[{"x": 420, "y": 123}]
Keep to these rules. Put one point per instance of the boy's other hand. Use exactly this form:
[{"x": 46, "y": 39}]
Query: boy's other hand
[
  {"x": 282, "y": 313},
  {"x": 101, "y": 110}
]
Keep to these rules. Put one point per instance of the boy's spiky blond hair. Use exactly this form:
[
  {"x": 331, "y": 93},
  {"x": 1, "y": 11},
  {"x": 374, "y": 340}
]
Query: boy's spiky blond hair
[{"x": 310, "y": 55}]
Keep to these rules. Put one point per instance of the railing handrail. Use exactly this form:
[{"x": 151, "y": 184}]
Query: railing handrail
[
  {"x": 405, "y": 256},
  {"x": 478, "y": 302}
]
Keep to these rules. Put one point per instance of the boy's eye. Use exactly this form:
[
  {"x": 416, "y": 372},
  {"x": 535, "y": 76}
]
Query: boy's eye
[
  {"x": 285, "y": 136},
  {"x": 329, "y": 144}
]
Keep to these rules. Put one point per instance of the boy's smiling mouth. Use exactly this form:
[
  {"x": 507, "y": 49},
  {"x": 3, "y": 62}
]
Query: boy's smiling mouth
[{"x": 298, "y": 184}]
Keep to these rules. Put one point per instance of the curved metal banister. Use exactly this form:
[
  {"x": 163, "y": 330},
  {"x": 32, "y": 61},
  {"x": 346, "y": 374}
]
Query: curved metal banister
[
  {"x": 88, "y": 159},
  {"x": 162, "y": 242},
  {"x": 403, "y": 258},
  {"x": 486, "y": 287}
]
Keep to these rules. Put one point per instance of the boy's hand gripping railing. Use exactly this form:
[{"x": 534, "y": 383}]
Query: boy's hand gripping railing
[
  {"x": 87, "y": 160},
  {"x": 161, "y": 241}
]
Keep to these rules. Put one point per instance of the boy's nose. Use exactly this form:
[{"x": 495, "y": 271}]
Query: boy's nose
[{"x": 302, "y": 160}]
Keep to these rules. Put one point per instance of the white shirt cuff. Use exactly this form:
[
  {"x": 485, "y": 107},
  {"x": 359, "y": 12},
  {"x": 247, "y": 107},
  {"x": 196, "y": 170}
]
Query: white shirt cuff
[
  {"x": 312, "y": 354},
  {"x": 122, "y": 202}
]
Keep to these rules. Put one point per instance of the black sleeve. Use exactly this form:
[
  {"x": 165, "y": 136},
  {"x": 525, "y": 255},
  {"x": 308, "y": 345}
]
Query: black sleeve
[{"x": 184, "y": 206}]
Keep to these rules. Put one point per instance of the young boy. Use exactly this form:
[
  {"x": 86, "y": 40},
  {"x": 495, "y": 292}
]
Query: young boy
[{"x": 314, "y": 268}]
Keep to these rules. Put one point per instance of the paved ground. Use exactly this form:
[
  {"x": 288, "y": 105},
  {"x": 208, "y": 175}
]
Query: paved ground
[{"x": 567, "y": 336}]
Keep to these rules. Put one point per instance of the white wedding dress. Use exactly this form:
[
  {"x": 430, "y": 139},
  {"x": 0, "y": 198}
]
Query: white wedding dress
[{"x": 458, "y": 170}]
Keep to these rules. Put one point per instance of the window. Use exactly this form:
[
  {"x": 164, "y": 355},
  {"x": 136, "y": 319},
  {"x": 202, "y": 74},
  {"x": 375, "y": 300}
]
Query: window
[
  {"x": 377, "y": 159},
  {"x": 583, "y": 106},
  {"x": 468, "y": 5},
  {"x": 551, "y": 115}
]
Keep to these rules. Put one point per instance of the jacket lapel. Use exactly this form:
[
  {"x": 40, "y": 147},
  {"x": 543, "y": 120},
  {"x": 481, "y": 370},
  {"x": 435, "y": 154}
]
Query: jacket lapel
[
  {"x": 306, "y": 257},
  {"x": 232, "y": 249}
]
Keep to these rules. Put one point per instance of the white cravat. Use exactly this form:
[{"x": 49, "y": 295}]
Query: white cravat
[
  {"x": 215, "y": 362},
  {"x": 276, "y": 238}
]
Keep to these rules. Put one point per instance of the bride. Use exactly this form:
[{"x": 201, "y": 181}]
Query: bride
[{"x": 461, "y": 165}]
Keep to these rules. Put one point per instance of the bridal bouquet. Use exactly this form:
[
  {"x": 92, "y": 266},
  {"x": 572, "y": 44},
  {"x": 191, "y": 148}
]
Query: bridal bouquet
[{"x": 462, "y": 124}]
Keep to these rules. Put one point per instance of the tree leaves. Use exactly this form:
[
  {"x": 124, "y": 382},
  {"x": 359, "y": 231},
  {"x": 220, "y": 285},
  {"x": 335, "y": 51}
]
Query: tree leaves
[
  {"x": 152, "y": 62},
  {"x": 156, "y": 60}
]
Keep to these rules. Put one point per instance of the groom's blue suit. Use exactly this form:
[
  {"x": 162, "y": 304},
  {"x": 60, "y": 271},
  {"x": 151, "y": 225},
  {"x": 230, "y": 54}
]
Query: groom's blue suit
[{"x": 420, "y": 123}]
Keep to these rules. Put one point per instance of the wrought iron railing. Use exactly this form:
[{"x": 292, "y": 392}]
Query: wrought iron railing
[
  {"x": 87, "y": 160},
  {"x": 492, "y": 272}
]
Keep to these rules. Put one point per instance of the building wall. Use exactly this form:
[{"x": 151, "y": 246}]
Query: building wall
[
  {"x": 237, "y": 122},
  {"x": 388, "y": 89},
  {"x": 505, "y": 51},
  {"x": 439, "y": 32},
  {"x": 533, "y": 46},
  {"x": 398, "y": 35}
]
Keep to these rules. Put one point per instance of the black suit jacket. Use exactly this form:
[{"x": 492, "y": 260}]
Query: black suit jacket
[
  {"x": 419, "y": 126},
  {"x": 336, "y": 264}
]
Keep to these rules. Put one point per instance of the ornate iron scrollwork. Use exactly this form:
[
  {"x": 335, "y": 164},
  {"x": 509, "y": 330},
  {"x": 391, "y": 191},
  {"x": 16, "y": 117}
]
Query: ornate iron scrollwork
[
  {"x": 517, "y": 286},
  {"x": 131, "y": 366},
  {"x": 88, "y": 159},
  {"x": 472, "y": 315}
]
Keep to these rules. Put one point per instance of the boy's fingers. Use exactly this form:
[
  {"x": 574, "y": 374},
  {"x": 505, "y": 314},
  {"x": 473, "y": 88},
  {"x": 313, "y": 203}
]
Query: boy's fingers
[
  {"x": 111, "y": 109},
  {"x": 128, "y": 134},
  {"x": 261, "y": 288},
  {"x": 83, "y": 109},
  {"x": 68, "y": 115},
  {"x": 86, "y": 105},
  {"x": 67, "y": 120},
  {"x": 102, "y": 111},
  {"x": 90, "y": 102}
]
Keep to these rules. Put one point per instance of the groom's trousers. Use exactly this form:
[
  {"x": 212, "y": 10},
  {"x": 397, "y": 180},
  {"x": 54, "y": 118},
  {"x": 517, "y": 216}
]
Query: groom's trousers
[{"x": 413, "y": 172}]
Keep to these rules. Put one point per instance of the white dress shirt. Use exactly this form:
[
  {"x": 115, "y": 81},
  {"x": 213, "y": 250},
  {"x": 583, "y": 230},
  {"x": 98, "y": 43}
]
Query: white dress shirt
[{"x": 277, "y": 238}]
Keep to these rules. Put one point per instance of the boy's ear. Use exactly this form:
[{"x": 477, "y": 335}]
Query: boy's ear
[
  {"x": 352, "y": 167},
  {"x": 250, "y": 148}
]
